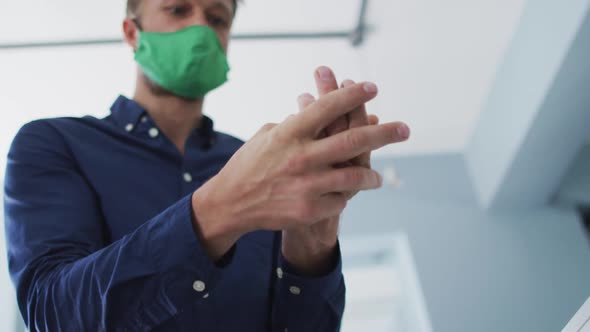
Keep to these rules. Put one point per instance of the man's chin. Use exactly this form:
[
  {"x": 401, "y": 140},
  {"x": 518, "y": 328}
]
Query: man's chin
[{"x": 160, "y": 91}]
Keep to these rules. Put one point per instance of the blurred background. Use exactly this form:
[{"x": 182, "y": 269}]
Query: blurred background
[{"x": 480, "y": 226}]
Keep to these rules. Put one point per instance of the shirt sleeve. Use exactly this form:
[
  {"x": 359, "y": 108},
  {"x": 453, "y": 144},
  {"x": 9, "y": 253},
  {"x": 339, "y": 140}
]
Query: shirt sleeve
[
  {"x": 67, "y": 276},
  {"x": 308, "y": 304}
]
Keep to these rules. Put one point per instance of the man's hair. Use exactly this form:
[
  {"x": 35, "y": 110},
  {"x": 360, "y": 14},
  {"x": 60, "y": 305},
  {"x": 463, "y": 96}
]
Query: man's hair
[{"x": 133, "y": 7}]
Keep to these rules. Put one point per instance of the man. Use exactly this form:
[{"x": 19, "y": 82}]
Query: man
[{"x": 148, "y": 219}]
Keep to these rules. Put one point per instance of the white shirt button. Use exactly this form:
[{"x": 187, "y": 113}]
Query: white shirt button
[
  {"x": 199, "y": 286},
  {"x": 295, "y": 290},
  {"x": 188, "y": 177},
  {"x": 280, "y": 273},
  {"x": 154, "y": 132},
  {"x": 206, "y": 296},
  {"x": 144, "y": 118},
  {"x": 129, "y": 127}
]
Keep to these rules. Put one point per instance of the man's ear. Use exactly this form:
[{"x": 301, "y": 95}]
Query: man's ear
[{"x": 130, "y": 33}]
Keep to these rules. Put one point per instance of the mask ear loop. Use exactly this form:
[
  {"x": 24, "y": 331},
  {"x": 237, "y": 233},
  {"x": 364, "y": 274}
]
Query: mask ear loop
[{"x": 136, "y": 21}]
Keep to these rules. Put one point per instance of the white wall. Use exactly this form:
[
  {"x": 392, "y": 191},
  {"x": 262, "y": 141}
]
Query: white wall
[{"x": 433, "y": 61}]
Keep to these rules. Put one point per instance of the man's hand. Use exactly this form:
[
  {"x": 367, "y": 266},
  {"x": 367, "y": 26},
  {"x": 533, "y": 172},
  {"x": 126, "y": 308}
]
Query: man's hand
[
  {"x": 311, "y": 249},
  {"x": 283, "y": 177}
]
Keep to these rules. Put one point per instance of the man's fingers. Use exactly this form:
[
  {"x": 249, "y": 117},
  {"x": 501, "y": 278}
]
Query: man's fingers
[
  {"x": 305, "y": 100},
  {"x": 341, "y": 124},
  {"x": 354, "y": 142},
  {"x": 358, "y": 117},
  {"x": 373, "y": 119},
  {"x": 327, "y": 206},
  {"x": 365, "y": 158},
  {"x": 317, "y": 116},
  {"x": 326, "y": 82},
  {"x": 342, "y": 180}
]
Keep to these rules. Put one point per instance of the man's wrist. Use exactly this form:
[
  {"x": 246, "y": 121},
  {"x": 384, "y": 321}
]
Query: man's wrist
[
  {"x": 308, "y": 256},
  {"x": 214, "y": 230}
]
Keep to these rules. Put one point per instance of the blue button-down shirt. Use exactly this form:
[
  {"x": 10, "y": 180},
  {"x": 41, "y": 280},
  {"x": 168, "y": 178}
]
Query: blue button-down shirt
[{"x": 100, "y": 237}]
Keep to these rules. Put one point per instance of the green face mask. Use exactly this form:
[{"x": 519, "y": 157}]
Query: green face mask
[{"x": 189, "y": 62}]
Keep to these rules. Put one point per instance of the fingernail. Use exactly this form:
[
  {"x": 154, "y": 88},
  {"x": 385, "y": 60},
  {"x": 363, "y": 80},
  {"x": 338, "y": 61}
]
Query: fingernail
[
  {"x": 403, "y": 131},
  {"x": 347, "y": 83},
  {"x": 325, "y": 73},
  {"x": 370, "y": 88},
  {"x": 380, "y": 179},
  {"x": 304, "y": 96}
]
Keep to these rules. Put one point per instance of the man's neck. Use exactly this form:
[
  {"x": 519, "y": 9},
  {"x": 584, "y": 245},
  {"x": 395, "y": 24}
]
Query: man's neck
[{"x": 174, "y": 116}]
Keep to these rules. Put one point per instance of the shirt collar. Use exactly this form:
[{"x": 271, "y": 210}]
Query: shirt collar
[{"x": 126, "y": 111}]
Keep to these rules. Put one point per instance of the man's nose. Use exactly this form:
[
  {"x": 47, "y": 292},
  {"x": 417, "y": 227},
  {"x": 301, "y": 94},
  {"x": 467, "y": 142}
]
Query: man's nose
[{"x": 199, "y": 17}]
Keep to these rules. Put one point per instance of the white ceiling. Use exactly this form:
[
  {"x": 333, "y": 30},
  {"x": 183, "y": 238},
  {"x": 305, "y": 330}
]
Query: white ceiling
[
  {"x": 63, "y": 19},
  {"x": 433, "y": 61}
]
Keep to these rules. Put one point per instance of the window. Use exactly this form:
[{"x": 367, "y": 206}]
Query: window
[{"x": 383, "y": 291}]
